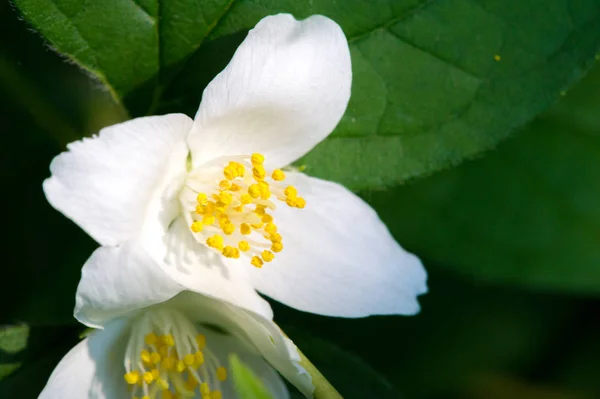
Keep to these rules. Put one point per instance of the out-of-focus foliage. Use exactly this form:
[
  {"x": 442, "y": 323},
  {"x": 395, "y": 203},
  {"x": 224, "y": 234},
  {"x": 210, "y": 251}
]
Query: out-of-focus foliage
[
  {"x": 434, "y": 81},
  {"x": 526, "y": 213},
  {"x": 509, "y": 240}
]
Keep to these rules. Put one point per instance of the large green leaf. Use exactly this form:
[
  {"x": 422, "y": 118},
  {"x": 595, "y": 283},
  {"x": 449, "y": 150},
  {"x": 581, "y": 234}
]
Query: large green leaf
[
  {"x": 129, "y": 45},
  {"x": 528, "y": 213},
  {"x": 435, "y": 81}
]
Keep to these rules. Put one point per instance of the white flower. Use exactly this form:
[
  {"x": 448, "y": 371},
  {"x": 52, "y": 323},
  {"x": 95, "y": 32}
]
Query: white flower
[
  {"x": 153, "y": 348},
  {"x": 207, "y": 198}
]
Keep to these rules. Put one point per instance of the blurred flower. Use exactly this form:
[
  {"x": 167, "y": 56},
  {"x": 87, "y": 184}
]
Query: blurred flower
[
  {"x": 153, "y": 348},
  {"x": 208, "y": 198}
]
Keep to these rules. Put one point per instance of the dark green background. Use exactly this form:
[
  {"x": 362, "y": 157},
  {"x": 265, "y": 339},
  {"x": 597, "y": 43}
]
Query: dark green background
[{"x": 511, "y": 241}]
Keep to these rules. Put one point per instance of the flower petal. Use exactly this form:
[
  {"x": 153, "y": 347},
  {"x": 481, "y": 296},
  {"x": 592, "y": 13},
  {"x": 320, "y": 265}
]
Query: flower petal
[
  {"x": 284, "y": 91},
  {"x": 224, "y": 345},
  {"x": 199, "y": 269},
  {"x": 91, "y": 369},
  {"x": 339, "y": 259},
  {"x": 118, "y": 280},
  {"x": 258, "y": 334},
  {"x": 105, "y": 183}
]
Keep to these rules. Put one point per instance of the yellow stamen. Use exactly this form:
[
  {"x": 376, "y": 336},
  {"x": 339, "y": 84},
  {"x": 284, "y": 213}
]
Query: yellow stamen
[
  {"x": 228, "y": 228},
  {"x": 189, "y": 359},
  {"x": 257, "y": 159},
  {"x": 221, "y": 373},
  {"x": 155, "y": 358},
  {"x": 278, "y": 175},
  {"x": 256, "y": 262},
  {"x": 208, "y": 220},
  {"x": 267, "y": 255},
  {"x": 245, "y": 229},
  {"x": 228, "y": 206},
  {"x": 291, "y": 201},
  {"x": 231, "y": 252},
  {"x": 246, "y": 199},
  {"x": 259, "y": 172},
  {"x": 215, "y": 242},
  {"x": 148, "y": 377},
  {"x": 201, "y": 341},
  {"x": 243, "y": 246},
  {"x": 199, "y": 357},
  {"x": 202, "y": 198},
  {"x": 225, "y": 198},
  {"x": 132, "y": 377},
  {"x": 290, "y": 191},
  {"x": 224, "y": 184},
  {"x": 276, "y": 247},
  {"x": 254, "y": 191},
  {"x": 180, "y": 366},
  {"x": 271, "y": 228},
  {"x": 216, "y": 395},
  {"x": 230, "y": 172},
  {"x": 197, "y": 226},
  {"x": 204, "y": 389},
  {"x": 145, "y": 356},
  {"x": 168, "y": 340},
  {"x": 150, "y": 339}
]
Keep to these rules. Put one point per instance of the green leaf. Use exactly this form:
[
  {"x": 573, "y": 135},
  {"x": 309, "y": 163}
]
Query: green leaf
[
  {"x": 45, "y": 347},
  {"x": 349, "y": 374},
  {"x": 247, "y": 384},
  {"x": 13, "y": 339},
  {"x": 525, "y": 214},
  {"x": 129, "y": 45},
  {"x": 434, "y": 81},
  {"x": 465, "y": 332}
]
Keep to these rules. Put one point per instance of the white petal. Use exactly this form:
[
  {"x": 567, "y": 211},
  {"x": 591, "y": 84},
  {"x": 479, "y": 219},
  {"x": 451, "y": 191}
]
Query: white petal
[
  {"x": 118, "y": 280},
  {"x": 197, "y": 268},
  {"x": 92, "y": 369},
  {"x": 224, "y": 345},
  {"x": 257, "y": 333},
  {"x": 284, "y": 91},
  {"x": 339, "y": 259},
  {"x": 106, "y": 183}
]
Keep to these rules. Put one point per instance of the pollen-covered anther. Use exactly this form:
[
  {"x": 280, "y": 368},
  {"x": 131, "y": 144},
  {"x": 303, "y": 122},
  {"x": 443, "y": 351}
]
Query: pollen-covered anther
[
  {"x": 267, "y": 256},
  {"x": 278, "y": 175},
  {"x": 231, "y": 252},
  {"x": 176, "y": 375},
  {"x": 197, "y": 226},
  {"x": 277, "y": 247},
  {"x": 235, "y": 205},
  {"x": 244, "y": 246},
  {"x": 256, "y": 262}
]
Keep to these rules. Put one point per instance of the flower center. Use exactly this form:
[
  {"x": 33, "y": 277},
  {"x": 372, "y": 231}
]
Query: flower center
[
  {"x": 167, "y": 358},
  {"x": 227, "y": 205}
]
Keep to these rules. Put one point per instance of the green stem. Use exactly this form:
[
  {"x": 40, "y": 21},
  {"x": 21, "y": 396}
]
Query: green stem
[{"x": 323, "y": 389}]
